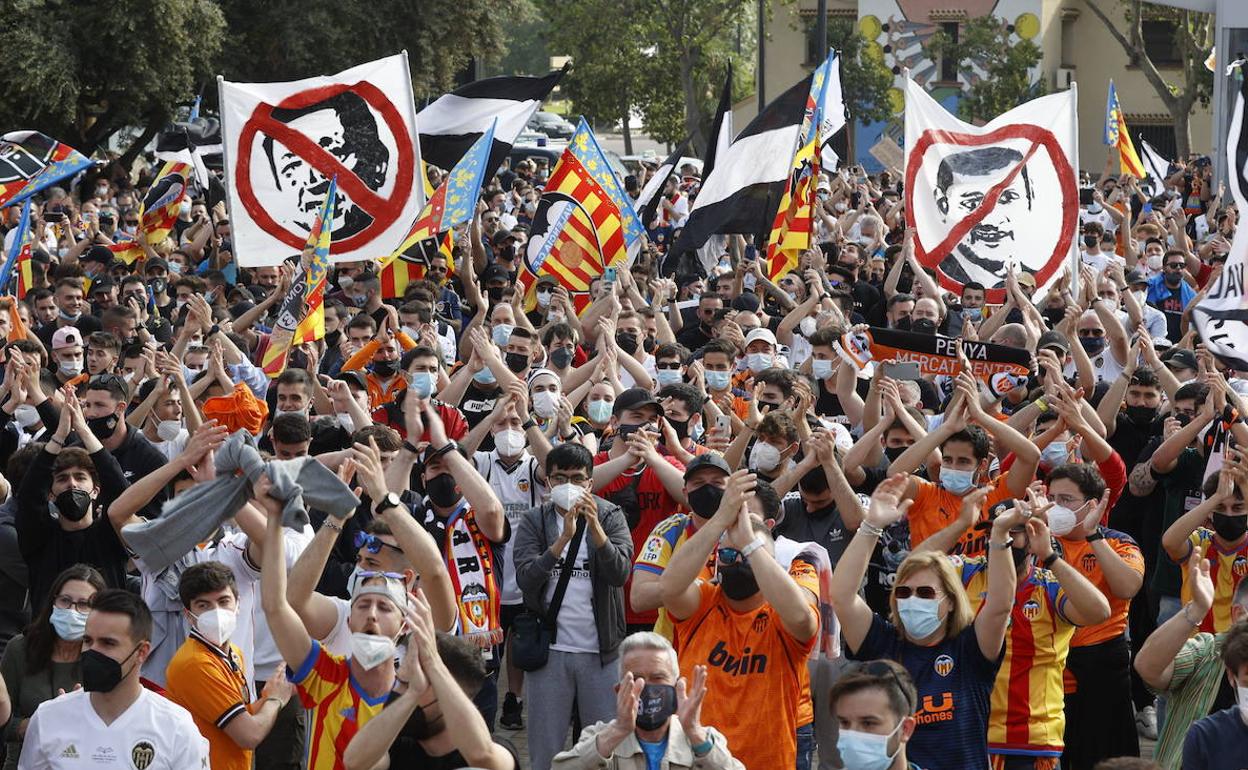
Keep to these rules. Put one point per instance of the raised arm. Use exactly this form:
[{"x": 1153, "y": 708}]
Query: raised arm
[
  {"x": 678, "y": 585},
  {"x": 1155, "y": 660},
  {"x": 288, "y": 632},
  {"x": 851, "y": 609},
  {"x": 477, "y": 491}
]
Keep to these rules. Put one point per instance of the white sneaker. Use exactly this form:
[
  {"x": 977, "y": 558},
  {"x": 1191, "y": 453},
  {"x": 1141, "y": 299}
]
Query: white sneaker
[{"x": 1146, "y": 723}]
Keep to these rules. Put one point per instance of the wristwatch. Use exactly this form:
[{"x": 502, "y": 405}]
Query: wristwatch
[
  {"x": 391, "y": 500},
  {"x": 1099, "y": 534},
  {"x": 1050, "y": 560}
]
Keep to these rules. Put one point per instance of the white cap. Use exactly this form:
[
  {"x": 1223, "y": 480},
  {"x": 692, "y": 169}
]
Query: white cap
[{"x": 761, "y": 334}]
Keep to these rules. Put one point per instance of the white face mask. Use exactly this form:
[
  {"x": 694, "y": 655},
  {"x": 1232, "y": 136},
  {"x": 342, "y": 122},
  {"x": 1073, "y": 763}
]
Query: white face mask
[
  {"x": 216, "y": 625},
  {"x": 1241, "y": 694},
  {"x": 821, "y": 367},
  {"x": 509, "y": 442},
  {"x": 71, "y": 368},
  {"x": 168, "y": 430},
  {"x": 26, "y": 415},
  {"x": 345, "y": 421},
  {"x": 1061, "y": 520},
  {"x": 808, "y": 326},
  {"x": 370, "y": 650},
  {"x": 757, "y": 362},
  {"x": 545, "y": 404},
  {"x": 565, "y": 496},
  {"x": 764, "y": 457}
]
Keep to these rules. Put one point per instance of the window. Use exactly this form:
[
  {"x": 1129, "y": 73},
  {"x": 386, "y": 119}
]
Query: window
[
  {"x": 1068, "y": 42},
  {"x": 1160, "y": 43},
  {"x": 949, "y": 66}
]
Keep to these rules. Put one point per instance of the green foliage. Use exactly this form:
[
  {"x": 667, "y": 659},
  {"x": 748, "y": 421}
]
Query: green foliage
[
  {"x": 527, "y": 46},
  {"x": 986, "y": 42},
  {"x": 865, "y": 81},
  {"x": 81, "y": 71}
]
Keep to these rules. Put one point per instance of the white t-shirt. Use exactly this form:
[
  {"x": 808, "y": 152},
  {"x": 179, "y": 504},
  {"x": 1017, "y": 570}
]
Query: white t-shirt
[
  {"x": 576, "y": 630},
  {"x": 1102, "y": 216},
  {"x": 155, "y": 733},
  {"x": 1104, "y": 364},
  {"x": 173, "y": 448},
  {"x": 518, "y": 490}
]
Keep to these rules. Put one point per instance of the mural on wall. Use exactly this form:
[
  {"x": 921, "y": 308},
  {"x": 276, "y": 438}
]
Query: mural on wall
[{"x": 897, "y": 32}]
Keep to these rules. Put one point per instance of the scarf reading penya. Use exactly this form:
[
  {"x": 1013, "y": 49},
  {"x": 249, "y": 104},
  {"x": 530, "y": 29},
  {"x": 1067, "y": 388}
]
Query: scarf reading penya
[
  {"x": 471, "y": 564},
  {"x": 999, "y": 367}
]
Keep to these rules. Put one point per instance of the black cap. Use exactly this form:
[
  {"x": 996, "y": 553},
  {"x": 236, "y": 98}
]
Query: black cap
[
  {"x": 98, "y": 253},
  {"x": 156, "y": 263},
  {"x": 708, "y": 460},
  {"x": 747, "y": 301},
  {"x": 238, "y": 308},
  {"x": 635, "y": 398},
  {"x": 1053, "y": 339},
  {"x": 357, "y": 378},
  {"x": 1136, "y": 276},
  {"x": 102, "y": 284},
  {"x": 495, "y": 272},
  {"x": 1181, "y": 358}
]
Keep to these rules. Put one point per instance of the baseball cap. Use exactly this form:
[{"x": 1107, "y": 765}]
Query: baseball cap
[
  {"x": 102, "y": 284},
  {"x": 545, "y": 280},
  {"x": 760, "y": 333},
  {"x": 66, "y": 337},
  {"x": 1027, "y": 279},
  {"x": 354, "y": 378},
  {"x": 494, "y": 272},
  {"x": 635, "y": 398},
  {"x": 154, "y": 264},
  {"x": 708, "y": 460},
  {"x": 380, "y": 584},
  {"x": 1053, "y": 339},
  {"x": 1181, "y": 358},
  {"x": 98, "y": 253},
  {"x": 748, "y": 301},
  {"x": 1135, "y": 276}
]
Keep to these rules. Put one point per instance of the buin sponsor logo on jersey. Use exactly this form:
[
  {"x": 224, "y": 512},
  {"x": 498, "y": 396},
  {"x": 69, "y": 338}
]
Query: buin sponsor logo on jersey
[
  {"x": 943, "y": 665},
  {"x": 747, "y": 663},
  {"x": 1031, "y": 609}
]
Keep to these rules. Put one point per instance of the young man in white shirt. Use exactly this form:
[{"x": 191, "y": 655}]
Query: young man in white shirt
[{"x": 113, "y": 715}]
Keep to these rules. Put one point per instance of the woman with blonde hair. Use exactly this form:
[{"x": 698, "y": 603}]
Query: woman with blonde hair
[{"x": 951, "y": 653}]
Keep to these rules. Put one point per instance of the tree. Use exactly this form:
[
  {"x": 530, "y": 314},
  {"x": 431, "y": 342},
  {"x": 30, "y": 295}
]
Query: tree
[
  {"x": 528, "y": 47},
  {"x": 272, "y": 41},
  {"x": 80, "y": 72},
  {"x": 1193, "y": 39},
  {"x": 865, "y": 81},
  {"x": 1008, "y": 65}
]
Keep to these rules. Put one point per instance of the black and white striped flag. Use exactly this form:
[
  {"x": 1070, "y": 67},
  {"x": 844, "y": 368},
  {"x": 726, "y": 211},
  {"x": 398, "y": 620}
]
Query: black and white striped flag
[
  {"x": 1156, "y": 168},
  {"x": 450, "y": 125}
]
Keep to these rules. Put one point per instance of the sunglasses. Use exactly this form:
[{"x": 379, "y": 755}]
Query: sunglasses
[
  {"x": 729, "y": 556},
  {"x": 374, "y": 545},
  {"x": 923, "y": 592},
  {"x": 668, "y": 365}
]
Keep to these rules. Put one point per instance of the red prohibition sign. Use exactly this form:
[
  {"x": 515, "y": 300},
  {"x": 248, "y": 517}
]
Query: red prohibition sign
[
  {"x": 1039, "y": 137},
  {"x": 384, "y": 210}
]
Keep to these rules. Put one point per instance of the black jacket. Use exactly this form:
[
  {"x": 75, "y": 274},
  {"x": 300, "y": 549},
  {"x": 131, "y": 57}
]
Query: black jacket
[{"x": 609, "y": 567}]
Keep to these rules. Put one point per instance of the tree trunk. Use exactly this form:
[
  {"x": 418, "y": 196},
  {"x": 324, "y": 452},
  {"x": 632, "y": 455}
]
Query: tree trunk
[
  {"x": 136, "y": 147},
  {"x": 625, "y": 128}
]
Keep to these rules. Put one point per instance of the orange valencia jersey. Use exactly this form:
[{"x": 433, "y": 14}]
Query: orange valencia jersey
[
  {"x": 756, "y": 673},
  {"x": 1028, "y": 703},
  {"x": 935, "y": 508},
  {"x": 1078, "y": 554}
]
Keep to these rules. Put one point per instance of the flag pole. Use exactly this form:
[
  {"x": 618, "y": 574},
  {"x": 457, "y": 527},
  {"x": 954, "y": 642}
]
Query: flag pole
[{"x": 1074, "y": 119}]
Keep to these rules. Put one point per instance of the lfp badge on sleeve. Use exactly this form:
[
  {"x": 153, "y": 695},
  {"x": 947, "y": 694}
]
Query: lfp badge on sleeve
[{"x": 988, "y": 200}]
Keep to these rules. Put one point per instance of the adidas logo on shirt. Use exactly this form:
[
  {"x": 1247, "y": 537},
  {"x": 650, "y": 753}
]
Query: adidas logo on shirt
[{"x": 70, "y": 752}]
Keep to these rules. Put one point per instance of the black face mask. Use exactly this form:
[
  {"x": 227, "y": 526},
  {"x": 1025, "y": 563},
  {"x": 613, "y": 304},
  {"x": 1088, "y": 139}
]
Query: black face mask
[
  {"x": 495, "y": 294},
  {"x": 923, "y": 326},
  {"x": 1173, "y": 279},
  {"x": 1230, "y": 527},
  {"x": 893, "y": 452},
  {"x": 1020, "y": 557},
  {"x": 101, "y": 673},
  {"x": 332, "y": 339},
  {"x": 821, "y": 513},
  {"x": 158, "y": 285},
  {"x": 1053, "y": 315},
  {"x": 516, "y": 362},
  {"x": 764, "y": 406},
  {"x": 737, "y": 581},
  {"x": 73, "y": 504},
  {"x": 507, "y": 252},
  {"x": 385, "y": 368},
  {"x": 1182, "y": 419},
  {"x": 903, "y": 324},
  {"x": 705, "y": 500},
  {"x": 627, "y": 342},
  {"x": 679, "y": 427},
  {"x": 441, "y": 490},
  {"x": 656, "y": 706},
  {"x": 422, "y": 728},
  {"x": 562, "y": 357},
  {"x": 649, "y": 344},
  {"x": 103, "y": 427},
  {"x": 1141, "y": 416}
]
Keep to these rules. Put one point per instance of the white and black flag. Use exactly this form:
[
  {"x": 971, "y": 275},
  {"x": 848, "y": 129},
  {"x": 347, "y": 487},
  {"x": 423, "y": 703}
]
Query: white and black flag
[
  {"x": 647, "y": 204},
  {"x": 1222, "y": 316},
  {"x": 450, "y": 125},
  {"x": 1156, "y": 169},
  {"x": 721, "y": 130},
  {"x": 741, "y": 193},
  {"x": 201, "y": 138}
]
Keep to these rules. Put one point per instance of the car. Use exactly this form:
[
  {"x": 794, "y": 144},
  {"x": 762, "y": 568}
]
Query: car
[
  {"x": 551, "y": 152},
  {"x": 551, "y": 125}
]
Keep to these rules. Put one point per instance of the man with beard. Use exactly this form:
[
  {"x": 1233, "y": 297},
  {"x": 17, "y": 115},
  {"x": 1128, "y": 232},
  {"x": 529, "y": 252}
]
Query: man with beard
[
  {"x": 963, "y": 182},
  {"x": 1169, "y": 292}
]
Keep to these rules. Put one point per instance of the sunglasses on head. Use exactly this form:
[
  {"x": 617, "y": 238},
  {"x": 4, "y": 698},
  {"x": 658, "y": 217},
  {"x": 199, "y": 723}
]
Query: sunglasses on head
[
  {"x": 374, "y": 544},
  {"x": 879, "y": 669},
  {"x": 923, "y": 592}
]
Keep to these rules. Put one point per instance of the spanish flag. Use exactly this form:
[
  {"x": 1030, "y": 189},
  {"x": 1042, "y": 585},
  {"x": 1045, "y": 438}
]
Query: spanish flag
[
  {"x": 19, "y": 257},
  {"x": 1116, "y": 135},
  {"x": 301, "y": 317}
]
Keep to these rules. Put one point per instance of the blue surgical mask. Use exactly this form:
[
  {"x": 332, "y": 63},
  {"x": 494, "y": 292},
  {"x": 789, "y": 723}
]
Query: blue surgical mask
[
  {"x": 69, "y": 624},
  {"x": 1092, "y": 345},
  {"x": 759, "y": 361},
  {"x": 957, "y": 482},
  {"x": 668, "y": 377},
  {"x": 718, "y": 380},
  {"x": 501, "y": 333},
  {"x": 424, "y": 384},
  {"x": 1053, "y": 455},
  {"x": 920, "y": 617},
  {"x": 866, "y": 751},
  {"x": 821, "y": 367},
  {"x": 599, "y": 411},
  {"x": 485, "y": 377}
]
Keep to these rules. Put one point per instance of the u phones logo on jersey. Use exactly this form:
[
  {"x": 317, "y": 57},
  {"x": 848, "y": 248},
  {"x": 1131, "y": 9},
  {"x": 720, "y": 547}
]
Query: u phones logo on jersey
[
  {"x": 943, "y": 665},
  {"x": 142, "y": 755},
  {"x": 1031, "y": 609}
]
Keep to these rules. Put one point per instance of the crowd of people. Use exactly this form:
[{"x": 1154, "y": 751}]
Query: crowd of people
[{"x": 676, "y": 529}]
